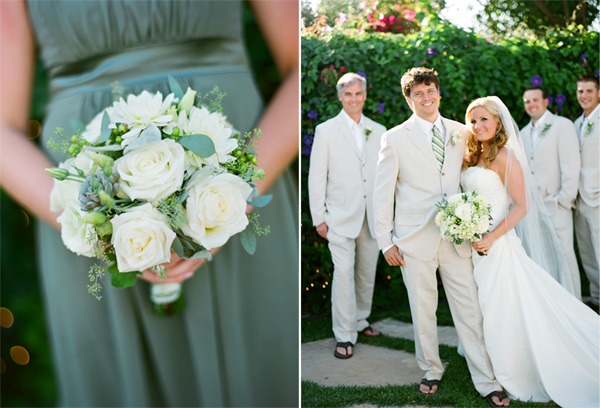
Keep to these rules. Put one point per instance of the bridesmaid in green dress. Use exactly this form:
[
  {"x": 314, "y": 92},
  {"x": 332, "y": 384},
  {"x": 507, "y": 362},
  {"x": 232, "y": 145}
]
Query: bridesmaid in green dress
[{"x": 236, "y": 343}]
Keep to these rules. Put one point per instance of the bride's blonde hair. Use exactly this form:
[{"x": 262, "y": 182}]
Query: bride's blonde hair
[{"x": 474, "y": 146}]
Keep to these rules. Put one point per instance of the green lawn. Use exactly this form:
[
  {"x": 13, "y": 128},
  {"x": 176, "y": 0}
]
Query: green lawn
[{"x": 456, "y": 389}]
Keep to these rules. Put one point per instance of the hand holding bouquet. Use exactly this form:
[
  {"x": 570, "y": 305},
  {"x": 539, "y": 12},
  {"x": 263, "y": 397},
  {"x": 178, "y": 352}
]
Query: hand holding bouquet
[
  {"x": 149, "y": 176},
  {"x": 463, "y": 216}
]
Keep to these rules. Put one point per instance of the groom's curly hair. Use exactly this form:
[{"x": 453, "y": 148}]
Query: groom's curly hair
[{"x": 417, "y": 76}]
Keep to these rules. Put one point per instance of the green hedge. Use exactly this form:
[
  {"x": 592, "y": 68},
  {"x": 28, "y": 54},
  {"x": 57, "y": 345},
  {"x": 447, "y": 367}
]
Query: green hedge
[{"x": 468, "y": 66}]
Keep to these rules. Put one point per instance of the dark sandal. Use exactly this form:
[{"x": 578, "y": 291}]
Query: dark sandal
[
  {"x": 345, "y": 347},
  {"x": 369, "y": 330},
  {"x": 430, "y": 384},
  {"x": 500, "y": 394}
]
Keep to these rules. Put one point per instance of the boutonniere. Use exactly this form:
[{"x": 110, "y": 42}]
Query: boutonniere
[
  {"x": 547, "y": 127},
  {"x": 454, "y": 137},
  {"x": 368, "y": 131},
  {"x": 588, "y": 128}
]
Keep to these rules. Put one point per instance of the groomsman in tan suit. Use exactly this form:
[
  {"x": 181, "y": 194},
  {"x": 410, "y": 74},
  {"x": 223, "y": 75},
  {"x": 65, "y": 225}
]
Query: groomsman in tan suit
[
  {"x": 552, "y": 149},
  {"x": 340, "y": 186},
  {"x": 420, "y": 164},
  {"x": 587, "y": 216}
]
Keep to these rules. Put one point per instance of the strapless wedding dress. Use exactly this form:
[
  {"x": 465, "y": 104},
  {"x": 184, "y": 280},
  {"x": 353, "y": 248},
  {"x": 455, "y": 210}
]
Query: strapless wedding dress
[{"x": 542, "y": 341}]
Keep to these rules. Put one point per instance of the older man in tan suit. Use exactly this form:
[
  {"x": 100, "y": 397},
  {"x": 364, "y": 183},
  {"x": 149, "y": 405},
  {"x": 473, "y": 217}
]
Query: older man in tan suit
[
  {"x": 419, "y": 165},
  {"x": 340, "y": 185},
  {"x": 552, "y": 149},
  {"x": 587, "y": 210}
]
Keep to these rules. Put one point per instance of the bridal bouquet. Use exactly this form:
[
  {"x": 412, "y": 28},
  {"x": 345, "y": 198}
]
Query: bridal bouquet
[
  {"x": 151, "y": 175},
  {"x": 463, "y": 216}
]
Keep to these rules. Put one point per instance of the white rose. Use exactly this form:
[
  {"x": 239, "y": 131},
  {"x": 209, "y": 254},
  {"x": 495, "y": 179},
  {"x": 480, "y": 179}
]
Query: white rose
[
  {"x": 215, "y": 207},
  {"x": 455, "y": 199},
  {"x": 141, "y": 238},
  {"x": 483, "y": 224},
  {"x": 64, "y": 193},
  {"x": 464, "y": 211},
  {"x": 153, "y": 171},
  {"x": 77, "y": 235},
  {"x": 93, "y": 130}
]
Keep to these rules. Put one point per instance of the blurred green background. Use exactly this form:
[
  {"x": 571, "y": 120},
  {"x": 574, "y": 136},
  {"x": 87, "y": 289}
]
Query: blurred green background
[{"x": 32, "y": 384}]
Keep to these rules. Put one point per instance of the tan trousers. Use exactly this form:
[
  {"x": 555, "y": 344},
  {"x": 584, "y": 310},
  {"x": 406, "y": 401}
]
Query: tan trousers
[
  {"x": 587, "y": 230},
  {"x": 461, "y": 291},
  {"x": 354, "y": 266}
]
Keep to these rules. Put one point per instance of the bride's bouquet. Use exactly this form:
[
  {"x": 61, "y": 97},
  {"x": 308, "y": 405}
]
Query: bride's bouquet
[
  {"x": 463, "y": 216},
  {"x": 151, "y": 175}
]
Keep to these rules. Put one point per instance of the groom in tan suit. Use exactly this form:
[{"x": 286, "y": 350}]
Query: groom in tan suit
[
  {"x": 552, "y": 149},
  {"x": 420, "y": 164},
  {"x": 587, "y": 210},
  {"x": 340, "y": 186}
]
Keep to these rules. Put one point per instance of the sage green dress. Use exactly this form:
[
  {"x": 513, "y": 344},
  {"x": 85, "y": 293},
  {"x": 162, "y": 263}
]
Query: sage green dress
[{"x": 236, "y": 343}]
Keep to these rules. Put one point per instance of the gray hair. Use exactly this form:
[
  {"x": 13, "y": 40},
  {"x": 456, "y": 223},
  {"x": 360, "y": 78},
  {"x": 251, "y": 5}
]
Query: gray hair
[{"x": 349, "y": 79}]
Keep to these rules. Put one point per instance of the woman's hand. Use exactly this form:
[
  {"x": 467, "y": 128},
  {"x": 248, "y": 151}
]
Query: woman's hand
[
  {"x": 178, "y": 270},
  {"x": 484, "y": 244}
]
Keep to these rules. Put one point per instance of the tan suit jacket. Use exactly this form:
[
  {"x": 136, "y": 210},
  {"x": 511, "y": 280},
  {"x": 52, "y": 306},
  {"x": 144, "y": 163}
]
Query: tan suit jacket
[
  {"x": 340, "y": 181},
  {"x": 554, "y": 161},
  {"x": 408, "y": 176},
  {"x": 589, "y": 176}
]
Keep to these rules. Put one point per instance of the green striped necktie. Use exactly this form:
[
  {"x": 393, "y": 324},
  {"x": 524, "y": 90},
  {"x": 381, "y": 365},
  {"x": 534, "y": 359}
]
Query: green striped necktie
[{"x": 437, "y": 144}]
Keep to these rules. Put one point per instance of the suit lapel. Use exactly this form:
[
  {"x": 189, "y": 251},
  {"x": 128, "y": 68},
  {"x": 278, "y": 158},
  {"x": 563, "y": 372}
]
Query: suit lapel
[
  {"x": 451, "y": 150},
  {"x": 541, "y": 134},
  {"x": 419, "y": 138},
  {"x": 585, "y": 135},
  {"x": 347, "y": 134}
]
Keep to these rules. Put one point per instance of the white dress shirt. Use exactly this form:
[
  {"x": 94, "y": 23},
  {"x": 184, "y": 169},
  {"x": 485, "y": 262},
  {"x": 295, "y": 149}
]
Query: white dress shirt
[
  {"x": 358, "y": 131},
  {"x": 538, "y": 127}
]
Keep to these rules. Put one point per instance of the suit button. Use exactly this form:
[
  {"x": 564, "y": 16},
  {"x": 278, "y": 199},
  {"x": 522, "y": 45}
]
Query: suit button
[
  {"x": 364, "y": 196},
  {"x": 445, "y": 195},
  {"x": 443, "y": 174},
  {"x": 365, "y": 180}
]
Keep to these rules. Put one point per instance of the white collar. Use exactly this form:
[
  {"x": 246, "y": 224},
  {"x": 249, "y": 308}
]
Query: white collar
[
  {"x": 351, "y": 121},
  {"x": 588, "y": 117},
  {"x": 540, "y": 122},
  {"x": 427, "y": 126}
]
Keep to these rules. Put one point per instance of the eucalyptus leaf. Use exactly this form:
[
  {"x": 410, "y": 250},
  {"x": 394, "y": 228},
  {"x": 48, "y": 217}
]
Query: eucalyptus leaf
[
  {"x": 177, "y": 247},
  {"x": 121, "y": 280},
  {"x": 149, "y": 135},
  {"x": 250, "y": 149},
  {"x": 260, "y": 201},
  {"x": 175, "y": 87},
  {"x": 248, "y": 239},
  {"x": 104, "y": 130},
  {"x": 200, "y": 254},
  {"x": 201, "y": 145}
]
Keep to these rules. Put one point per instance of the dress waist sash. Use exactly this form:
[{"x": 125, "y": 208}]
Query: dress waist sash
[{"x": 148, "y": 63}]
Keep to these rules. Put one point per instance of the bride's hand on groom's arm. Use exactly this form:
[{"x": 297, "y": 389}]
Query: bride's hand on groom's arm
[
  {"x": 178, "y": 270},
  {"x": 393, "y": 257}
]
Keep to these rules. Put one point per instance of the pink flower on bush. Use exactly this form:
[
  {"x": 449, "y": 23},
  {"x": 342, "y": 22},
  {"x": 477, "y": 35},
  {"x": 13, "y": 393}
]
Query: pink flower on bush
[
  {"x": 343, "y": 69},
  {"x": 409, "y": 14}
]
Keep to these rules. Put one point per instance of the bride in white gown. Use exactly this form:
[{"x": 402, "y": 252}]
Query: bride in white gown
[{"x": 542, "y": 341}]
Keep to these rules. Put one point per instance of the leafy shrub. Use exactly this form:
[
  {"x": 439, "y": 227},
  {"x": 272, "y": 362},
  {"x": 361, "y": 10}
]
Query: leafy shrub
[{"x": 469, "y": 66}]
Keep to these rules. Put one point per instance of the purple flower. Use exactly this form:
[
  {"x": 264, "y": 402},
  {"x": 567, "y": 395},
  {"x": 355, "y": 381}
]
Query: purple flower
[
  {"x": 432, "y": 52},
  {"x": 536, "y": 80},
  {"x": 312, "y": 115},
  {"x": 598, "y": 72},
  {"x": 362, "y": 74},
  {"x": 308, "y": 139},
  {"x": 550, "y": 100},
  {"x": 584, "y": 56},
  {"x": 380, "y": 107},
  {"x": 306, "y": 150},
  {"x": 560, "y": 99}
]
